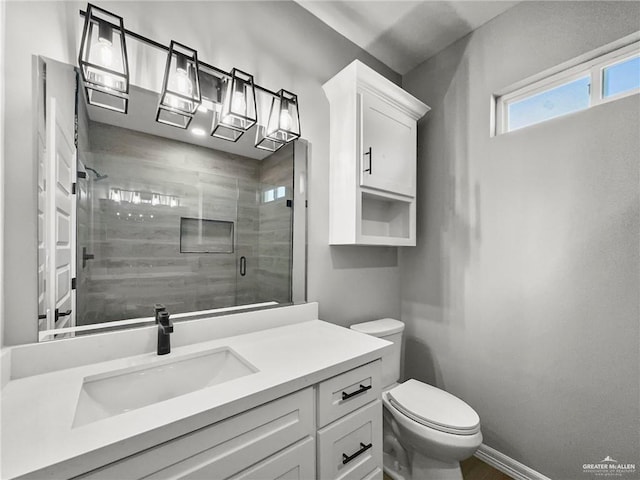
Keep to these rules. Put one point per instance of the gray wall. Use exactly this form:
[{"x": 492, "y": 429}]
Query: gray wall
[
  {"x": 350, "y": 284},
  {"x": 522, "y": 294}
]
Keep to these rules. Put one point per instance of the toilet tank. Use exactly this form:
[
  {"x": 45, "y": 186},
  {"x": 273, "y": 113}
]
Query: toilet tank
[{"x": 391, "y": 330}]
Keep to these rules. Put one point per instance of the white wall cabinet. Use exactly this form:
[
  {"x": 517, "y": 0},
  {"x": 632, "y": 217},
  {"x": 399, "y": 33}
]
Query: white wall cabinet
[
  {"x": 372, "y": 159},
  {"x": 332, "y": 430}
]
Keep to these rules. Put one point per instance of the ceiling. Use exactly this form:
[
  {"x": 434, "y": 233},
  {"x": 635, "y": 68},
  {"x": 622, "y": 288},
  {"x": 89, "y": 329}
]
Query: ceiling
[{"x": 403, "y": 34}]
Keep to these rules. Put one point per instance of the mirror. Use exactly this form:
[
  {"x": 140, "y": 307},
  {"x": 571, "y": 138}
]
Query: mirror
[{"x": 133, "y": 213}]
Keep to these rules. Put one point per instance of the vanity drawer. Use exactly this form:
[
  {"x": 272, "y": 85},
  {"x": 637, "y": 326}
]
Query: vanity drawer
[
  {"x": 297, "y": 462},
  {"x": 351, "y": 448},
  {"x": 347, "y": 392},
  {"x": 224, "y": 448}
]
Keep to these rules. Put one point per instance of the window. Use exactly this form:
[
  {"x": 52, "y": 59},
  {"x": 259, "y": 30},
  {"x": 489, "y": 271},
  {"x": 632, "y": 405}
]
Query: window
[
  {"x": 273, "y": 194},
  {"x": 621, "y": 77},
  {"x": 602, "y": 78}
]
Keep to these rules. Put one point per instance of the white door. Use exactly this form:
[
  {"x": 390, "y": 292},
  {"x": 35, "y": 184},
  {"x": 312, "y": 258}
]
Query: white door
[
  {"x": 60, "y": 232},
  {"x": 388, "y": 147},
  {"x": 45, "y": 319}
]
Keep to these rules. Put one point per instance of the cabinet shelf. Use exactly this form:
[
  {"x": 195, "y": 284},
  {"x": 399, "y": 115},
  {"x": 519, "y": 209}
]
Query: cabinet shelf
[{"x": 385, "y": 218}]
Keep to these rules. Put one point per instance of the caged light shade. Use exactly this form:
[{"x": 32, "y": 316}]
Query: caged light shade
[
  {"x": 180, "y": 95},
  {"x": 103, "y": 60},
  {"x": 239, "y": 102},
  {"x": 283, "y": 124}
]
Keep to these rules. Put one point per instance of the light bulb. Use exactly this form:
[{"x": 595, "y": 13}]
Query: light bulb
[
  {"x": 285, "y": 120},
  {"x": 238, "y": 103},
  {"x": 105, "y": 52},
  {"x": 183, "y": 82}
]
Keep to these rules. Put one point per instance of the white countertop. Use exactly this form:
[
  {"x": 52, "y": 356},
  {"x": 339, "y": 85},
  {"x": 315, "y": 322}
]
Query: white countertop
[{"x": 38, "y": 410}]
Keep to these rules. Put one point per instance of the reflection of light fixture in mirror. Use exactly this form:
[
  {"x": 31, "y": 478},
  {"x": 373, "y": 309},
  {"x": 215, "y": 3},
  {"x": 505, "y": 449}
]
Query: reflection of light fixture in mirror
[
  {"x": 238, "y": 112},
  {"x": 135, "y": 197},
  {"x": 103, "y": 60},
  {"x": 198, "y": 132},
  {"x": 180, "y": 95},
  {"x": 284, "y": 122},
  {"x": 114, "y": 194},
  {"x": 266, "y": 143}
]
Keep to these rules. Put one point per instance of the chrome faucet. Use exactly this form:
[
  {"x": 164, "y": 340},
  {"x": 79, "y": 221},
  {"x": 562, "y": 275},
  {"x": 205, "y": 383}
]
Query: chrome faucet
[{"x": 165, "y": 329}]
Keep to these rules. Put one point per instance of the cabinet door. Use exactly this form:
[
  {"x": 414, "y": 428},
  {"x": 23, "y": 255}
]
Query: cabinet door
[{"x": 387, "y": 147}]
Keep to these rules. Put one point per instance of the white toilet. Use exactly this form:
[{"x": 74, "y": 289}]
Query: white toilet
[{"x": 427, "y": 431}]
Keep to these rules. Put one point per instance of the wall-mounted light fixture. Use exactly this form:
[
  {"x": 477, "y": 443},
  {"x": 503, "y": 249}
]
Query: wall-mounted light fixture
[
  {"x": 180, "y": 95},
  {"x": 103, "y": 60},
  {"x": 232, "y": 95},
  {"x": 238, "y": 111},
  {"x": 283, "y": 124}
]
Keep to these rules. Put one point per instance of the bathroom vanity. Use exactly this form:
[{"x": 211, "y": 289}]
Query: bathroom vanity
[{"x": 299, "y": 398}]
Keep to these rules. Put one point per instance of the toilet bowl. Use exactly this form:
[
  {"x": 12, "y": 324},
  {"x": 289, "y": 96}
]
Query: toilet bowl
[{"x": 427, "y": 431}]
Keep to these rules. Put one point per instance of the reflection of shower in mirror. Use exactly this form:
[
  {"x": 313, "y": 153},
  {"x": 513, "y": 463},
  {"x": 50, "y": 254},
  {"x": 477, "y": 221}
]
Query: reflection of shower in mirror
[{"x": 236, "y": 252}]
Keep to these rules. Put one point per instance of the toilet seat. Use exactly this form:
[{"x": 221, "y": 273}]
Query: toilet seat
[{"x": 434, "y": 408}]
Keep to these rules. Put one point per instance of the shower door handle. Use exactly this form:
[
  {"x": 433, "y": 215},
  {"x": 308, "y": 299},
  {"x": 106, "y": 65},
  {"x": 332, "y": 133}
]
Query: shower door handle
[
  {"x": 86, "y": 256},
  {"x": 243, "y": 266},
  {"x": 59, "y": 314}
]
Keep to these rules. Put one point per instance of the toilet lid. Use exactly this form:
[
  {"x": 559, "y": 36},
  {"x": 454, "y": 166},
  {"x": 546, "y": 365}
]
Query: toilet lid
[{"x": 434, "y": 408}]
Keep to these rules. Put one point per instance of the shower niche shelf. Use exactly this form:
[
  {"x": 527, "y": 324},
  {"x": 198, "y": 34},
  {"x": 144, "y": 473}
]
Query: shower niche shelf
[{"x": 199, "y": 235}]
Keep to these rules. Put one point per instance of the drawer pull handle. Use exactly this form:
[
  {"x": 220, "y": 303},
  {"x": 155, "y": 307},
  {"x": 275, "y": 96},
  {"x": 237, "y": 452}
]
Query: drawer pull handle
[
  {"x": 363, "y": 448},
  {"x": 346, "y": 396}
]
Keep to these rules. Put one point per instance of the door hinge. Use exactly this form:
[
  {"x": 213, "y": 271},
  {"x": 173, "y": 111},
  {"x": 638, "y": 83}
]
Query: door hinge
[
  {"x": 290, "y": 203},
  {"x": 82, "y": 174},
  {"x": 73, "y": 283},
  {"x": 73, "y": 188}
]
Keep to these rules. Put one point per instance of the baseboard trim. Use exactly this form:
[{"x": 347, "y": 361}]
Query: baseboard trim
[{"x": 507, "y": 465}]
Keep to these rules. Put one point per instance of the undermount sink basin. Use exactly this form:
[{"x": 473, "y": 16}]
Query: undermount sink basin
[{"x": 120, "y": 391}]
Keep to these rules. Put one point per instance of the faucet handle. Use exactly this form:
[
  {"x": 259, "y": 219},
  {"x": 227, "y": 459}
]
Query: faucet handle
[
  {"x": 165, "y": 321},
  {"x": 158, "y": 307}
]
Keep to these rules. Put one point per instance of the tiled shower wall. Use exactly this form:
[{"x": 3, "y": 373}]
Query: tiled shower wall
[{"x": 137, "y": 245}]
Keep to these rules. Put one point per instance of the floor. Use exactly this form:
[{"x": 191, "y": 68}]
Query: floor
[{"x": 474, "y": 469}]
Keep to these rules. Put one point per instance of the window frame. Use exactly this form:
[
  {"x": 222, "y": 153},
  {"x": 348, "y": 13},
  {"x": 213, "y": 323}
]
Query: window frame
[{"x": 593, "y": 68}]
